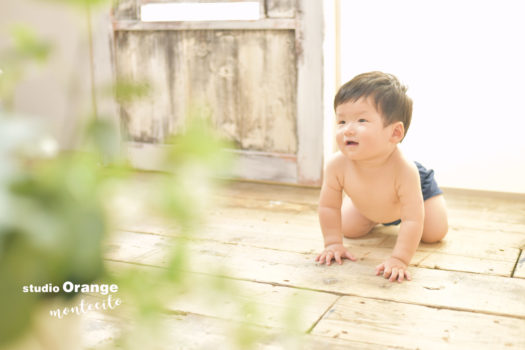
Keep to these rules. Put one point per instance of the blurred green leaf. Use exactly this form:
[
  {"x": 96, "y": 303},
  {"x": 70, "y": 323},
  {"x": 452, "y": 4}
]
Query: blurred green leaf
[
  {"x": 27, "y": 45},
  {"x": 127, "y": 91},
  {"x": 102, "y": 137},
  {"x": 26, "y": 48},
  {"x": 15, "y": 272},
  {"x": 201, "y": 143}
]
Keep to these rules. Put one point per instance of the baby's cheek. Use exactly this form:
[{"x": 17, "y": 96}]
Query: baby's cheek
[
  {"x": 362, "y": 129},
  {"x": 339, "y": 141}
]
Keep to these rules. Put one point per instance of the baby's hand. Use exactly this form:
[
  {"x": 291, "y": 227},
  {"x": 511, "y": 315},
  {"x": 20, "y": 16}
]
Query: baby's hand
[
  {"x": 334, "y": 251},
  {"x": 393, "y": 269}
]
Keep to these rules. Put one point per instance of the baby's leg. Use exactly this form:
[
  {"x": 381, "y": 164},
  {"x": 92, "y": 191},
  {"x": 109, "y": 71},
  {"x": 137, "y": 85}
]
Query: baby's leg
[
  {"x": 436, "y": 221},
  {"x": 353, "y": 223}
]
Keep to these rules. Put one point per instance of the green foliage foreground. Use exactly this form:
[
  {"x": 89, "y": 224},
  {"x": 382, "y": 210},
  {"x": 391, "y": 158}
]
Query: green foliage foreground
[{"x": 54, "y": 217}]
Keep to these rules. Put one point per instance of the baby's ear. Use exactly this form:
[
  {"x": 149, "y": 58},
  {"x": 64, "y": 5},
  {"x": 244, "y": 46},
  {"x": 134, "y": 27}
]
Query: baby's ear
[{"x": 398, "y": 132}]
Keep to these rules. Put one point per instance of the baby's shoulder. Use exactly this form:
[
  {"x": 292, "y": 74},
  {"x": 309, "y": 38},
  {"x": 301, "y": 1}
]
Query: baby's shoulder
[
  {"x": 337, "y": 162},
  {"x": 337, "y": 166},
  {"x": 405, "y": 170}
]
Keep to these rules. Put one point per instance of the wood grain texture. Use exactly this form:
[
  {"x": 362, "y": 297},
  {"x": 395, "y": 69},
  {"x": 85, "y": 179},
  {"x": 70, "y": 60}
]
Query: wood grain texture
[
  {"x": 413, "y": 326},
  {"x": 281, "y": 8},
  {"x": 125, "y": 9},
  {"x": 244, "y": 80},
  {"x": 260, "y": 304},
  {"x": 193, "y": 331},
  {"x": 270, "y": 306}
]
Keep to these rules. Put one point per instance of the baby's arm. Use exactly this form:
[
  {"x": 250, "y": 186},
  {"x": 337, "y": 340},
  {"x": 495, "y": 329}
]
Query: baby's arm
[
  {"x": 411, "y": 230},
  {"x": 330, "y": 216}
]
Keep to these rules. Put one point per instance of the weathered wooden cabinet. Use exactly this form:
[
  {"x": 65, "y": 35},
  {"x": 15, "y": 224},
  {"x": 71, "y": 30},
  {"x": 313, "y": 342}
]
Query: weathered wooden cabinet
[{"x": 260, "y": 80}]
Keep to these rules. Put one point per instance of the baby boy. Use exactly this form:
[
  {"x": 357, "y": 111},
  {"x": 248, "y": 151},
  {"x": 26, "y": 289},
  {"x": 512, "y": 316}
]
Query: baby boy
[{"x": 373, "y": 114}]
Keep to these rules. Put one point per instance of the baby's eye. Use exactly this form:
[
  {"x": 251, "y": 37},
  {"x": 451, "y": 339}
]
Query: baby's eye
[
  {"x": 341, "y": 122},
  {"x": 362, "y": 120}
]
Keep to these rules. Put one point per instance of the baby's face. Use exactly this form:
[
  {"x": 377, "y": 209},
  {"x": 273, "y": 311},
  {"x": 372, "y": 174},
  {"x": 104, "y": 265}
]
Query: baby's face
[{"x": 360, "y": 133}]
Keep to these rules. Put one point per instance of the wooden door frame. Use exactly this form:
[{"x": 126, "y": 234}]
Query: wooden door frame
[{"x": 310, "y": 112}]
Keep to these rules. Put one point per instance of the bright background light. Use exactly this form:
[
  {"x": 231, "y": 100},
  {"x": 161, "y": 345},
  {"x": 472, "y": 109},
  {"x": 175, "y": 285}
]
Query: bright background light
[
  {"x": 215, "y": 11},
  {"x": 464, "y": 63}
]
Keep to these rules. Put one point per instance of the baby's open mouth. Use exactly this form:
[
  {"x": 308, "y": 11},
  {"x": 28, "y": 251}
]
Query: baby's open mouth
[{"x": 352, "y": 143}]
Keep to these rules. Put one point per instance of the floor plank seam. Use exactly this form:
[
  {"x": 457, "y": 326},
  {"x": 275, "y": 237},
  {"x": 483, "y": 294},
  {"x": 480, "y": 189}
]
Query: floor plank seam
[
  {"x": 340, "y": 294},
  {"x": 207, "y": 239},
  {"x": 309, "y": 331},
  {"x": 417, "y": 264},
  {"x": 516, "y": 264},
  {"x": 439, "y": 268}
]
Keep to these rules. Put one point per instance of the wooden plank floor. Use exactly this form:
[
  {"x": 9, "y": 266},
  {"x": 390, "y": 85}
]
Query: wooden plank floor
[{"x": 468, "y": 292}]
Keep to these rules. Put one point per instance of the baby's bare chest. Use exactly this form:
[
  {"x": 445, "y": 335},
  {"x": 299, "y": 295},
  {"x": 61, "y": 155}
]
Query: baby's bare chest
[{"x": 376, "y": 198}]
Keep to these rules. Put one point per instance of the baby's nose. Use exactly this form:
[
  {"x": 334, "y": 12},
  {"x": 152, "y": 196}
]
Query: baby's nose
[{"x": 349, "y": 129}]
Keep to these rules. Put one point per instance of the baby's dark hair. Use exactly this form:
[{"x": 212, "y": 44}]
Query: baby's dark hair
[{"x": 389, "y": 96}]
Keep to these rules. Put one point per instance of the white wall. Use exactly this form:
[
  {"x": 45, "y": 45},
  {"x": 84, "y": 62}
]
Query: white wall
[{"x": 464, "y": 63}]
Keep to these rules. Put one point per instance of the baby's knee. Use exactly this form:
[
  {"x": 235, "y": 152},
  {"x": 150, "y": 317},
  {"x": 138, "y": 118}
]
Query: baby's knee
[
  {"x": 431, "y": 240},
  {"x": 353, "y": 234},
  {"x": 350, "y": 232},
  {"x": 435, "y": 234},
  {"x": 355, "y": 231}
]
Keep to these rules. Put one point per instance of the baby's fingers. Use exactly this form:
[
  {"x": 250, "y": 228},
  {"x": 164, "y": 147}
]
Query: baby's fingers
[
  {"x": 408, "y": 276},
  {"x": 338, "y": 257},
  {"x": 329, "y": 257},
  {"x": 401, "y": 275},
  {"x": 350, "y": 256},
  {"x": 387, "y": 272},
  {"x": 394, "y": 274},
  {"x": 380, "y": 268}
]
